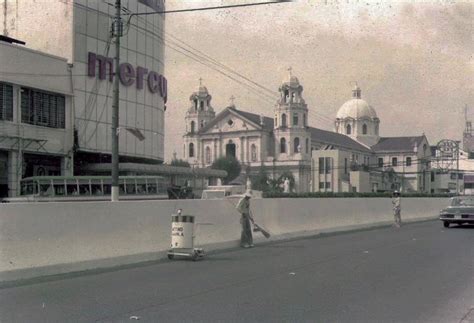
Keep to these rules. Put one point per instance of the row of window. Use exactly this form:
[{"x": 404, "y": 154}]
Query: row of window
[
  {"x": 296, "y": 146},
  {"x": 37, "y": 107},
  {"x": 284, "y": 122},
  {"x": 208, "y": 153},
  {"x": 324, "y": 185},
  {"x": 395, "y": 162},
  {"x": 349, "y": 129}
]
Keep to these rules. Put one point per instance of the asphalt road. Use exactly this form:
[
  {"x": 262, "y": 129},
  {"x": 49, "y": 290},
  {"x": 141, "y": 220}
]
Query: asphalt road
[{"x": 419, "y": 273}]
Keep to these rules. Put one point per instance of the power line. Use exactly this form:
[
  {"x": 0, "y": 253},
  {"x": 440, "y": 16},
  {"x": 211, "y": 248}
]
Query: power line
[{"x": 209, "y": 8}]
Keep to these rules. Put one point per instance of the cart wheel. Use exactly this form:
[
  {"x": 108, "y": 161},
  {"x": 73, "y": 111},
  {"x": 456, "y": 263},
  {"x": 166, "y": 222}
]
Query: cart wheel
[{"x": 170, "y": 256}]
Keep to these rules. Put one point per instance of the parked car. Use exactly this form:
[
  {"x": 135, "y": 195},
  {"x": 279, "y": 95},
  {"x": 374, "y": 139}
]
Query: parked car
[{"x": 460, "y": 211}]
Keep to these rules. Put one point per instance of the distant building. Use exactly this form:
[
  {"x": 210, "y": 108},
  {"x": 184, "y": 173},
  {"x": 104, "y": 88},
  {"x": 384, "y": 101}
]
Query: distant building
[{"x": 353, "y": 158}]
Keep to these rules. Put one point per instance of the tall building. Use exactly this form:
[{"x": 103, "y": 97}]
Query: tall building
[
  {"x": 79, "y": 32},
  {"x": 354, "y": 157}
]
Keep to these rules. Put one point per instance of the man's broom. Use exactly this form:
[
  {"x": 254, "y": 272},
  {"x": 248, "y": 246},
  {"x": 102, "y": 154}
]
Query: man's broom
[{"x": 258, "y": 228}]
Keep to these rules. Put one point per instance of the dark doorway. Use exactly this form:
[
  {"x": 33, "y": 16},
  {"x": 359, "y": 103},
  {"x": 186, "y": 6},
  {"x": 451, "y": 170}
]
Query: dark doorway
[{"x": 230, "y": 150}]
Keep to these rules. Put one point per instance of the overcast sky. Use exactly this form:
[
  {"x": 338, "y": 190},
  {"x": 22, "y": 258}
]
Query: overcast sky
[{"x": 413, "y": 60}]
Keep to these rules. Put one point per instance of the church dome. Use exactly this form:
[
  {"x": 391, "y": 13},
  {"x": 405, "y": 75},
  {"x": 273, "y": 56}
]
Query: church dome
[{"x": 356, "y": 108}]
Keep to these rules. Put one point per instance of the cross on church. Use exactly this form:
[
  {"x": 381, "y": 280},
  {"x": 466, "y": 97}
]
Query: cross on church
[
  {"x": 289, "y": 70},
  {"x": 232, "y": 98},
  {"x": 200, "y": 81}
]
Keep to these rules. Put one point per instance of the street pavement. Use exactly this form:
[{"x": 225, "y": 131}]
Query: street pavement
[{"x": 419, "y": 273}]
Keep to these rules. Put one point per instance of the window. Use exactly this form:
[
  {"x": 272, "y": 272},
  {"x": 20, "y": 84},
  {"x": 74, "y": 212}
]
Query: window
[
  {"x": 321, "y": 185},
  {"x": 432, "y": 176},
  {"x": 453, "y": 176},
  {"x": 193, "y": 126},
  {"x": 328, "y": 165},
  {"x": 208, "y": 155},
  {"x": 42, "y": 109},
  {"x": 283, "y": 120},
  {"x": 460, "y": 176},
  {"x": 6, "y": 102},
  {"x": 230, "y": 122},
  {"x": 296, "y": 146},
  {"x": 195, "y": 105},
  {"x": 201, "y": 105},
  {"x": 295, "y": 119},
  {"x": 321, "y": 165},
  {"x": 283, "y": 145},
  {"x": 364, "y": 129},
  {"x": 380, "y": 162},
  {"x": 306, "y": 147},
  {"x": 348, "y": 129},
  {"x": 202, "y": 123},
  {"x": 253, "y": 153},
  {"x": 394, "y": 161},
  {"x": 328, "y": 185},
  {"x": 191, "y": 150},
  {"x": 345, "y": 165},
  {"x": 408, "y": 161}
]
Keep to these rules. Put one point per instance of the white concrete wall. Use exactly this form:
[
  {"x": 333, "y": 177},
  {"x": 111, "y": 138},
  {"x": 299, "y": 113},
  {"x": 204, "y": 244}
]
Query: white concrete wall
[{"x": 49, "y": 238}]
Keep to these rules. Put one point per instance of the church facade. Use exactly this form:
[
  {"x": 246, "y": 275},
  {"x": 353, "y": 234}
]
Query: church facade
[{"x": 285, "y": 143}]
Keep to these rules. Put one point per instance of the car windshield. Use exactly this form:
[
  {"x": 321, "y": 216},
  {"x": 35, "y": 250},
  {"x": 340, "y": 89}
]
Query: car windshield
[{"x": 462, "y": 201}]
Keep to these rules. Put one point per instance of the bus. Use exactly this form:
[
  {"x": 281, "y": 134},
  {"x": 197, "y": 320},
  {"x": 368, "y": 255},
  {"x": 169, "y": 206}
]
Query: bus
[{"x": 90, "y": 188}]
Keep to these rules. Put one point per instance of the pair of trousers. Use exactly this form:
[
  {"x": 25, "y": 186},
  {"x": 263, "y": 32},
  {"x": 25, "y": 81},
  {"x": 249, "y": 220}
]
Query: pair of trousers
[
  {"x": 246, "y": 236},
  {"x": 397, "y": 216}
]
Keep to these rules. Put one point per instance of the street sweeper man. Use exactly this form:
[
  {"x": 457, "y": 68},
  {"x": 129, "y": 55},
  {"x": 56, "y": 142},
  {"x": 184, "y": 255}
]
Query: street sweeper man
[{"x": 246, "y": 239}]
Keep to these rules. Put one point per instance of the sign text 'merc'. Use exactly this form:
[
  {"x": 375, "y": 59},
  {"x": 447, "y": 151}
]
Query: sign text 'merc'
[{"x": 128, "y": 75}]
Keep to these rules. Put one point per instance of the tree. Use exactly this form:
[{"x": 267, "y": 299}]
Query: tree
[
  {"x": 230, "y": 164},
  {"x": 260, "y": 182},
  {"x": 180, "y": 163}
]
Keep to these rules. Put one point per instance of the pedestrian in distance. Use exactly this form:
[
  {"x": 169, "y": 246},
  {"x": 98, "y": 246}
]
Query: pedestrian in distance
[
  {"x": 397, "y": 208},
  {"x": 243, "y": 207}
]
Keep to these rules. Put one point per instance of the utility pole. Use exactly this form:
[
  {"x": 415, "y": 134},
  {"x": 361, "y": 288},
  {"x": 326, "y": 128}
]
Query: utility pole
[{"x": 117, "y": 32}]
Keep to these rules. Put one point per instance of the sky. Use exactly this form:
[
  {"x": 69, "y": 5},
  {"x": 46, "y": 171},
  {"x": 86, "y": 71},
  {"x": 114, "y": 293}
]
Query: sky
[{"x": 414, "y": 61}]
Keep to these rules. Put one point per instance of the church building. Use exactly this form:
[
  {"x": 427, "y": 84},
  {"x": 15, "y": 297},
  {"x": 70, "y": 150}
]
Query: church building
[{"x": 352, "y": 158}]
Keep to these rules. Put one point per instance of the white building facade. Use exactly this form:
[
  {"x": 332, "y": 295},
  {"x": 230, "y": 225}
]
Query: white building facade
[{"x": 36, "y": 117}]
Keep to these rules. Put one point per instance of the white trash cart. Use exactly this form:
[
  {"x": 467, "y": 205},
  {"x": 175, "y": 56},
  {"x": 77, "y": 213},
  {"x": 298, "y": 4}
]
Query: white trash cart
[{"x": 182, "y": 238}]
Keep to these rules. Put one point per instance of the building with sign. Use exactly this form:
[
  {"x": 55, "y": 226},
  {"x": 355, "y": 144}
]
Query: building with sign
[
  {"x": 78, "y": 87},
  {"x": 354, "y": 157}
]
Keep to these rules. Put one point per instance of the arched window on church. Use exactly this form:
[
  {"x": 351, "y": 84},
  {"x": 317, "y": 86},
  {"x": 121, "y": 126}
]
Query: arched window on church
[
  {"x": 287, "y": 95},
  {"x": 283, "y": 120},
  {"x": 283, "y": 145},
  {"x": 193, "y": 126},
  {"x": 201, "y": 105},
  {"x": 202, "y": 123},
  {"x": 208, "y": 155},
  {"x": 191, "y": 150},
  {"x": 296, "y": 146},
  {"x": 364, "y": 129},
  {"x": 307, "y": 145},
  {"x": 195, "y": 104},
  {"x": 253, "y": 152},
  {"x": 293, "y": 96},
  {"x": 348, "y": 129}
]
